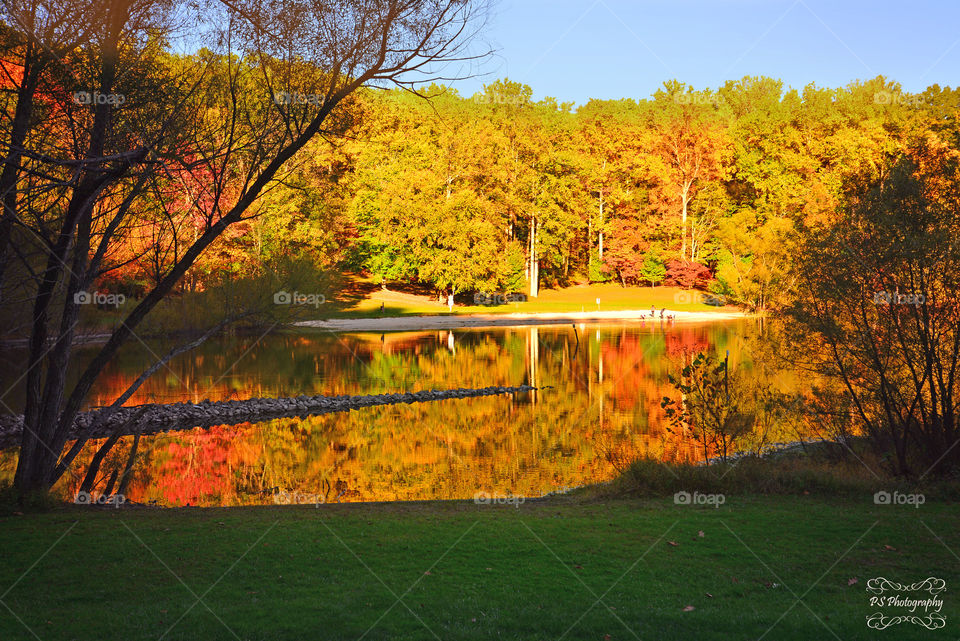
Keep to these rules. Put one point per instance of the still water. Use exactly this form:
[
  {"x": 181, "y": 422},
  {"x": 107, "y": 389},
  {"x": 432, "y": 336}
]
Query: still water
[{"x": 600, "y": 408}]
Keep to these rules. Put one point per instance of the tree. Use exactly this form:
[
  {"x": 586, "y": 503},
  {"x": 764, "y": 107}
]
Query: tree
[
  {"x": 689, "y": 144},
  {"x": 878, "y": 291},
  {"x": 707, "y": 407},
  {"x": 652, "y": 270},
  {"x": 236, "y": 120}
]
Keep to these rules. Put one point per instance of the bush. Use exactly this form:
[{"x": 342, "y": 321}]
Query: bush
[
  {"x": 784, "y": 474},
  {"x": 687, "y": 274}
]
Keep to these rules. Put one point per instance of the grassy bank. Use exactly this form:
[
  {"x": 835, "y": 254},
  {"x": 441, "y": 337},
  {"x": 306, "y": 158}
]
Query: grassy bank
[
  {"x": 569, "y": 299},
  {"x": 355, "y": 298},
  {"x": 574, "y": 568}
]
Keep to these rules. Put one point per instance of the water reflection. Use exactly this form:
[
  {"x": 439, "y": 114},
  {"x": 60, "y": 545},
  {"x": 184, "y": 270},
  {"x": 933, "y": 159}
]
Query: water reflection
[{"x": 601, "y": 403}]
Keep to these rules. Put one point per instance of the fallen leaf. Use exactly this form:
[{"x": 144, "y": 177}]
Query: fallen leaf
[
  {"x": 689, "y": 608},
  {"x": 673, "y": 543},
  {"x": 427, "y": 572},
  {"x": 734, "y": 579},
  {"x": 701, "y": 534},
  {"x": 709, "y": 595},
  {"x": 579, "y": 567},
  {"x": 889, "y": 547},
  {"x": 852, "y": 581}
]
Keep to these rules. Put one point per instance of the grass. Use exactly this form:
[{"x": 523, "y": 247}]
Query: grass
[
  {"x": 782, "y": 474},
  {"x": 358, "y": 297},
  {"x": 567, "y": 567},
  {"x": 569, "y": 299}
]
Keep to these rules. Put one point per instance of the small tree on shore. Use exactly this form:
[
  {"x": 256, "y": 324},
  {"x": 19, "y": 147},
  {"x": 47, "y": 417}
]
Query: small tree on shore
[{"x": 710, "y": 406}]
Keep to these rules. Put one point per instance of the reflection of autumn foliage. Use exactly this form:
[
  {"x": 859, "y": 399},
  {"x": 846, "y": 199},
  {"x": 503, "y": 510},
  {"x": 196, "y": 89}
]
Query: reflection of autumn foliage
[
  {"x": 198, "y": 469},
  {"x": 605, "y": 400},
  {"x": 686, "y": 340}
]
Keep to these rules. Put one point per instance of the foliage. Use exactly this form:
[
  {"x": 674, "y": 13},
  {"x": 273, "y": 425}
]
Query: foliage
[
  {"x": 879, "y": 293},
  {"x": 652, "y": 269},
  {"x": 686, "y": 274}
]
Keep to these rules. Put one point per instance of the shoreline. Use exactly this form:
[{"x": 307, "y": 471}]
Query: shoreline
[
  {"x": 399, "y": 323},
  {"x": 453, "y": 321}
]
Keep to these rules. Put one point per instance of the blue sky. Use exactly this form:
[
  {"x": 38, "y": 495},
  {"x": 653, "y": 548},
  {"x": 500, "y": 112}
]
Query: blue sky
[{"x": 581, "y": 49}]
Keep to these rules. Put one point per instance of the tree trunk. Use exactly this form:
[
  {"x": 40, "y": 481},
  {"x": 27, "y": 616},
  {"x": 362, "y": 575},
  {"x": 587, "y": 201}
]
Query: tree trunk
[
  {"x": 600, "y": 233},
  {"x": 685, "y": 198},
  {"x": 534, "y": 260}
]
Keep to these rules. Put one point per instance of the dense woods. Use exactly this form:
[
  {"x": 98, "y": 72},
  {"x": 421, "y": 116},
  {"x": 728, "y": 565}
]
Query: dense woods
[{"x": 496, "y": 192}]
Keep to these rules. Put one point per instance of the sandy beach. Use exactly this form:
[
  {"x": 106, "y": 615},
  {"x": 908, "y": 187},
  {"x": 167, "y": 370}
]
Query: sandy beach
[{"x": 399, "y": 323}]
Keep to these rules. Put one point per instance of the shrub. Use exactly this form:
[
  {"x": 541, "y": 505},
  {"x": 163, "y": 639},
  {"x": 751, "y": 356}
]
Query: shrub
[{"x": 687, "y": 274}]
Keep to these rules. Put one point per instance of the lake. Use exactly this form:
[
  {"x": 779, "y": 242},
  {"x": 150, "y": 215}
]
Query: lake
[{"x": 600, "y": 408}]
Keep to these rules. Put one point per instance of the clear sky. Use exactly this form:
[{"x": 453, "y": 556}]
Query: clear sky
[{"x": 574, "y": 50}]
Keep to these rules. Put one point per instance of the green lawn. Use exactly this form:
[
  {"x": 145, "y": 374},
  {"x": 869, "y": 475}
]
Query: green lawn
[
  {"x": 570, "y": 299},
  {"x": 772, "y": 567},
  {"x": 359, "y": 298}
]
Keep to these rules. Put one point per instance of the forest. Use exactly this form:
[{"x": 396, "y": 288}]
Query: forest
[{"x": 711, "y": 189}]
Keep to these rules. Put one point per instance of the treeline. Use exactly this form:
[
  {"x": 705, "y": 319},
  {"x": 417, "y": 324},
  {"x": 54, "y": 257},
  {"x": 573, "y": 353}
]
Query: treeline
[{"x": 497, "y": 192}]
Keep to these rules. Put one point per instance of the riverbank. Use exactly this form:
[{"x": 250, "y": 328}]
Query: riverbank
[
  {"x": 409, "y": 323},
  {"x": 566, "y": 567}
]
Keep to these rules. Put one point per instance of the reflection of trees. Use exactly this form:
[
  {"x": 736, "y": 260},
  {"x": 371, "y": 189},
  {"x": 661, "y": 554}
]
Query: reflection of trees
[{"x": 433, "y": 450}]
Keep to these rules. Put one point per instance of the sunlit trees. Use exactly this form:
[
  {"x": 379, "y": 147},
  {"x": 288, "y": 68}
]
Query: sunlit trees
[
  {"x": 878, "y": 293},
  {"x": 689, "y": 143}
]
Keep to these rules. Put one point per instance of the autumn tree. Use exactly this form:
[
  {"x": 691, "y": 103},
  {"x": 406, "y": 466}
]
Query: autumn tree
[
  {"x": 273, "y": 78},
  {"x": 878, "y": 295},
  {"x": 689, "y": 143}
]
